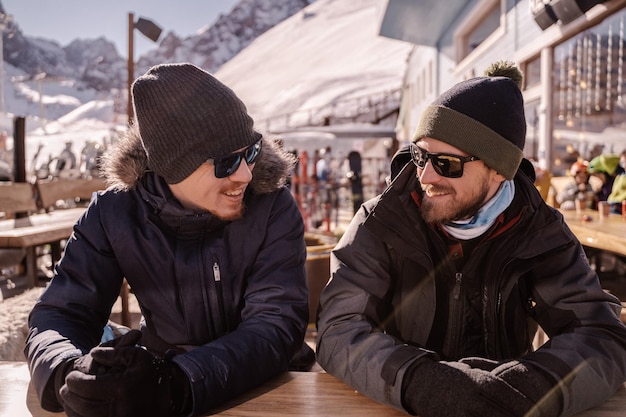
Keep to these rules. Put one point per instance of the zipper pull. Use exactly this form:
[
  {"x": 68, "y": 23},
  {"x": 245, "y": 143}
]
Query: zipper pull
[
  {"x": 217, "y": 276},
  {"x": 216, "y": 272},
  {"x": 457, "y": 286}
]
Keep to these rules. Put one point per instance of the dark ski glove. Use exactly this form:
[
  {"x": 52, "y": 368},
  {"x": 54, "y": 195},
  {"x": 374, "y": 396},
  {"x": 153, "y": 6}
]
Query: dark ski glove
[
  {"x": 455, "y": 389},
  {"x": 119, "y": 379}
]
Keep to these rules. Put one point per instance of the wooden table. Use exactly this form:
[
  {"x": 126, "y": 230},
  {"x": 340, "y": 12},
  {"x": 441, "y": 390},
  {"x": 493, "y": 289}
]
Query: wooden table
[
  {"x": 310, "y": 394},
  {"x": 602, "y": 234},
  {"x": 606, "y": 234},
  {"x": 25, "y": 231}
]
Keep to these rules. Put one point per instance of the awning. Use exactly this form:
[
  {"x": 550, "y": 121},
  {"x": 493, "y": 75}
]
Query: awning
[{"x": 422, "y": 22}]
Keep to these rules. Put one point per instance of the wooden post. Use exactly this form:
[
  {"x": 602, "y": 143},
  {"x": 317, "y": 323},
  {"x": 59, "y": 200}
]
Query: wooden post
[
  {"x": 19, "y": 154},
  {"x": 19, "y": 146}
]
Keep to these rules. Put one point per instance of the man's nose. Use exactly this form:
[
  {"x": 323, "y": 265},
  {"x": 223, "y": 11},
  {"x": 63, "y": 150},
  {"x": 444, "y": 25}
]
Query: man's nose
[
  {"x": 243, "y": 173},
  {"x": 428, "y": 175}
]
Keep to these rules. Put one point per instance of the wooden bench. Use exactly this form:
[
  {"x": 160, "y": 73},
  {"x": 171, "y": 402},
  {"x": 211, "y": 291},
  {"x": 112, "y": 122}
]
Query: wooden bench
[
  {"x": 59, "y": 193},
  {"x": 30, "y": 232},
  {"x": 17, "y": 197},
  {"x": 33, "y": 218}
]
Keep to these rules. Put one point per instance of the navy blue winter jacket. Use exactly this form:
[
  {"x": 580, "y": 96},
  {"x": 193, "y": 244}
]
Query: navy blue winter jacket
[{"x": 232, "y": 294}]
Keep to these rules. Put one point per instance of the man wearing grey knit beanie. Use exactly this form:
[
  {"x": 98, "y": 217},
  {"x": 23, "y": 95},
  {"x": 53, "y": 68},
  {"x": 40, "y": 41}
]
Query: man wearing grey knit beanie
[
  {"x": 198, "y": 221},
  {"x": 440, "y": 283}
]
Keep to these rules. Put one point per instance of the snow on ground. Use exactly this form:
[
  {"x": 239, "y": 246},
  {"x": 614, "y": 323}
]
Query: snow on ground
[{"x": 13, "y": 324}]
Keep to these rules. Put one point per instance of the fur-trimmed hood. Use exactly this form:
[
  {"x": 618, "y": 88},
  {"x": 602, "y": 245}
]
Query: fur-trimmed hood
[{"x": 124, "y": 164}]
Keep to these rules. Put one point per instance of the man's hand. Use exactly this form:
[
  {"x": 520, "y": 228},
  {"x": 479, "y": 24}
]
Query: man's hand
[{"x": 120, "y": 379}]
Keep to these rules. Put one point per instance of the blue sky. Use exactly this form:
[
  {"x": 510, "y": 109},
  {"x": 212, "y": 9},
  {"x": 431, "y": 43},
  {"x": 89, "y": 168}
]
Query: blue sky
[{"x": 67, "y": 20}]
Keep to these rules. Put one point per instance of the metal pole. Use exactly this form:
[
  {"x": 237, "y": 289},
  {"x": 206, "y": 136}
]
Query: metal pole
[{"x": 131, "y": 65}]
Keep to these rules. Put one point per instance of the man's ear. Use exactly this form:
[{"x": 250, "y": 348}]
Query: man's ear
[{"x": 497, "y": 177}]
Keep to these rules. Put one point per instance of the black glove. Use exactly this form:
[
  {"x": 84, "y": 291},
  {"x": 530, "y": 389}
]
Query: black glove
[
  {"x": 84, "y": 363},
  {"x": 119, "y": 379},
  {"x": 536, "y": 385},
  {"x": 455, "y": 389}
]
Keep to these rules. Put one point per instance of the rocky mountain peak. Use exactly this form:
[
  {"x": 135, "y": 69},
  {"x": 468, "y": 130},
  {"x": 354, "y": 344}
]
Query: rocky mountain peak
[{"x": 97, "y": 64}]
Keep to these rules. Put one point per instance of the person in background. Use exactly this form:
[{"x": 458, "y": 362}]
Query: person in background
[
  {"x": 90, "y": 158},
  {"x": 606, "y": 168},
  {"x": 198, "y": 221},
  {"x": 66, "y": 162},
  {"x": 618, "y": 189},
  {"x": 438, "y": 284},
  {"x": 578, "y": 188}
]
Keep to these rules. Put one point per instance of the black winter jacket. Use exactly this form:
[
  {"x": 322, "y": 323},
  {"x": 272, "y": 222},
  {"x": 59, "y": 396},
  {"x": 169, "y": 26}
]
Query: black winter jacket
[
  {"x": 233, "y": 295},
  {"x": 377, "y": 313}
]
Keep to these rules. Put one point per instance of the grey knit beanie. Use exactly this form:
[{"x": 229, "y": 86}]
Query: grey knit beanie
[
  {"x": 186, "y": 116},
  {"x": 482, "y": 116}
]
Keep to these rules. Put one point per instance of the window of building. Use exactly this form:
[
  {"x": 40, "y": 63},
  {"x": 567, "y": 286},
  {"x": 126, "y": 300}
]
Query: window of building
[
  {"x": 531, "y": 110},
  {"x": 532, "y": 72},
  {"x": 485, "y": 23},
  {"x": 589, "y": 107}
]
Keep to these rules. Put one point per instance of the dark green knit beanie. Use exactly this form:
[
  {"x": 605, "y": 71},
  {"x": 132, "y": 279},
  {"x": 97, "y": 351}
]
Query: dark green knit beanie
[
  {"x": 186, "y": 116},
  {"x": 482, "y": 116}
]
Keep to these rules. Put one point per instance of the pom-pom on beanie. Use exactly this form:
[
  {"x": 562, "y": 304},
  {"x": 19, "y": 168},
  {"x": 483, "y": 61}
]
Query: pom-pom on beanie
[
  {"x": 482, "y": 116},
  {"x": 186, "y": 116}
]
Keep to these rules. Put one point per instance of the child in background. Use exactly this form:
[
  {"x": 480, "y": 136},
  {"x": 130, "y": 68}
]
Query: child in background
[
  {"x": 605, "y": 167},
  {"x": 577, "y": 188}
]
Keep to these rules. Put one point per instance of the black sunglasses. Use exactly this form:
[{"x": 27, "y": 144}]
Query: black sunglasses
[
  {"x": 444, "y": 164},
  {"x": 227, "y": 165}
]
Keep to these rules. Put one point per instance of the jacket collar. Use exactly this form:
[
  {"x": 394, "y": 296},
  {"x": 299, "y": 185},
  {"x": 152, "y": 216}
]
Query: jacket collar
[
  {"x": 397, "y": 211},
  {"x": 180, "y": 220}
]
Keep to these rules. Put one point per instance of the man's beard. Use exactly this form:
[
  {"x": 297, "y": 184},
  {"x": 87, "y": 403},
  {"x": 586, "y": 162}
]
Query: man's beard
[
  {"x": 452, "y": 211},
  {"x": 234, "y": 216}
]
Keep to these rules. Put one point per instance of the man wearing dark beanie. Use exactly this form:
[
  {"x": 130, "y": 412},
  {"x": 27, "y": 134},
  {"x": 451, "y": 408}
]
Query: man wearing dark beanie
[
  {"x": 198, "y": 221},
  {"x": 440, "y": 283}
]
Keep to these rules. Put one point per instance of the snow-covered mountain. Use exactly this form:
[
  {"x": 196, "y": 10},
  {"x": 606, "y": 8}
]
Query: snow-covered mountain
[
  {"x": 97, "y": 64},
  {"x": 320, "y": 64},
  {"x": 215, "y": 44},
  {"x": 325, "y": 64}
]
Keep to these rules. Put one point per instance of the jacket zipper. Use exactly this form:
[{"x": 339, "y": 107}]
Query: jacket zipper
[
  {"x": 220, "y": 295},
  {"x": 458, "y": 277},
  {"x": 497, "y": 344},
  {"x": 500, "y": 343},
  {"x": 456, "y": 295}
]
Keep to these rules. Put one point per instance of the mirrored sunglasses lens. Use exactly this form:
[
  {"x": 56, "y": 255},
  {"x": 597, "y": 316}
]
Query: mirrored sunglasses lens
[
  {"x": 448, "y": 166},
  {"x": 226, "y": 166},
  {"x": 252, "y": 153}
]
